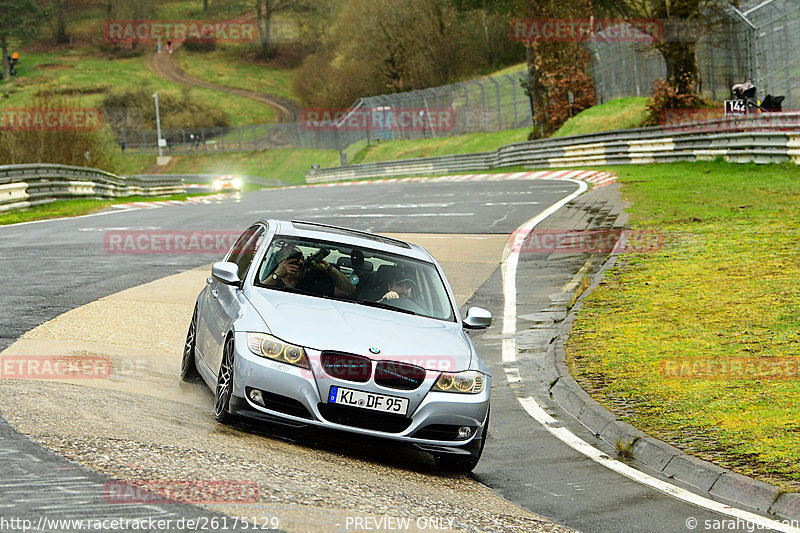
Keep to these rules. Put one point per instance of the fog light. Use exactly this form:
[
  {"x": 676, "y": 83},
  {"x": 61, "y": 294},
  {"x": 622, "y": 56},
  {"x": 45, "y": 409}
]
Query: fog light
[
  {"x": 464, "y": 432},
  {"x": 255, "y": 396}
]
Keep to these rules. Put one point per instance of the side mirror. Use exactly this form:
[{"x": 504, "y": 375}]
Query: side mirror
[
  {"x": 227, "y": 273},
  {"x": 477, "y": 318}
]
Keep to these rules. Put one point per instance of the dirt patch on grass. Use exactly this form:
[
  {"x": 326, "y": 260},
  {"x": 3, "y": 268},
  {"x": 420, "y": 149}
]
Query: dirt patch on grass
[
  {"x": 71, "y": 91},
  {"x": 53, "y": 66}
]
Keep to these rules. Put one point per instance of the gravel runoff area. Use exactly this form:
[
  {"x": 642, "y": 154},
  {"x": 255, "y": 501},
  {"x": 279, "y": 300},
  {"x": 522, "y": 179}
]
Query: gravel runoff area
[{"x": 142, "y": 424}]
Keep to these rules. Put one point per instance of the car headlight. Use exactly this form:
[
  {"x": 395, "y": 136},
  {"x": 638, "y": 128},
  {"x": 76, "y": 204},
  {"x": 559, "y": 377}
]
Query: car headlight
[
  {"x": 272, "y": 348},
  {"x": 468, "y": 382},
  {"x": 237, "y": 183},
  {"x": 217, "y": 184}
]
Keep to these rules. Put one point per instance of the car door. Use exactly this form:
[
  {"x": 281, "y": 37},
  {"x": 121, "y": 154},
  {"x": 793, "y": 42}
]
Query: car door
[{"x": 223, "y": 301}]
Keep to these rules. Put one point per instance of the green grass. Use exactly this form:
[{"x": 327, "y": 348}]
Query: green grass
[
  {"x": 228, "y": 66},
  {"x": 460, "y": 144},
  {"x": 618, "y": 114},
  {"x": 507, "y": 70},
  {"x": 724, "y": 291},
  {"x": 75, "y": 207},
  {"x": 91, "y": 77},
  {"x": 286, "y": 165},
  {"x": 127, "y": 163},
  {"x": 193, "y": 10}
]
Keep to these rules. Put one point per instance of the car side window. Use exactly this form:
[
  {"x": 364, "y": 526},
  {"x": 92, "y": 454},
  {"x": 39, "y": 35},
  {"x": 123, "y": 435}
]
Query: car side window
[{"x": 244, "y": 249}]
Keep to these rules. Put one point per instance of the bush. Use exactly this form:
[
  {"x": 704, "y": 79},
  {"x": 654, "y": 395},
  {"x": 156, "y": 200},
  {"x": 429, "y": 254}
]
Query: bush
[
  {"x": 135, "y": 109},
  {"x": 665, "y": 96},
  {"x": 203, "y": 47},
  {"x": 66, "y": 146},
  {"x": 560, "y": 83}
]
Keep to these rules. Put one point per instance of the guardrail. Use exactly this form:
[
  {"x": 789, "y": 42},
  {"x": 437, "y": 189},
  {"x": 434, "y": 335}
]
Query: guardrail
[
  {"x": 36, "y": 184},
  {"x": 759, "y": 139}
]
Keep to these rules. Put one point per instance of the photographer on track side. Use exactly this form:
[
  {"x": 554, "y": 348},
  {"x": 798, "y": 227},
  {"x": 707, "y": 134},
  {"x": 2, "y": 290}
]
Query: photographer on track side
[{"x": 314, "y": 275}]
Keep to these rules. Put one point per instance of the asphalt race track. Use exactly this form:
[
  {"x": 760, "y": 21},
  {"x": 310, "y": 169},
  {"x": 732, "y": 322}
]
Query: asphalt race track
[{"x": 52, "y": 267}]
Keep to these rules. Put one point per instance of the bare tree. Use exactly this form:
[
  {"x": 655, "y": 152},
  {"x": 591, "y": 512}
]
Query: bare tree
[
  {"x": 266, "y": 10},
  {"x": 396, "y": 46},
  {"x": 61, "y": 21}
]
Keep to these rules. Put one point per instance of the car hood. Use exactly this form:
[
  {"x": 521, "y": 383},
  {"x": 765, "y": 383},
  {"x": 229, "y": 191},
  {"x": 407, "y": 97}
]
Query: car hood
[{"x": 324, "y": 324}]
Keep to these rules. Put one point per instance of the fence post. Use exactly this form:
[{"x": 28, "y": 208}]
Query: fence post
[
  {"x": 499, "y": 109},
  {"x": 483, "y": 104},
  {"x": 466, "y": 108},
  {"x": 255, "y": 137},
  {"x": 514, "y": 97}
]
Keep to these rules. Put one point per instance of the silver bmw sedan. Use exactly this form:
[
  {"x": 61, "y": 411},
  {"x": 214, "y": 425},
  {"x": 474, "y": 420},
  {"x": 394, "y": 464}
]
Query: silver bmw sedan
[{"x": 310, "y": 324}]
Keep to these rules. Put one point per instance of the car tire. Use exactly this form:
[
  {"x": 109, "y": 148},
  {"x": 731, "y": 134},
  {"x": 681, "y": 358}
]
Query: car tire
[
  {"x": 463, "y": 464},
  {"x": 188, "y": 367},
  {"x": 224, "y": 388}
]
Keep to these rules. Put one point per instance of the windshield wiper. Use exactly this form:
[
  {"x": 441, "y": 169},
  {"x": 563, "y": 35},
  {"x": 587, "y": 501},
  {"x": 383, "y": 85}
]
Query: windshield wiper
[{"x": 382, "y": 305}]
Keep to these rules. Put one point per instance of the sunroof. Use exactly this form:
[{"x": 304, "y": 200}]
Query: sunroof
[{"x": 314, "y": 226}]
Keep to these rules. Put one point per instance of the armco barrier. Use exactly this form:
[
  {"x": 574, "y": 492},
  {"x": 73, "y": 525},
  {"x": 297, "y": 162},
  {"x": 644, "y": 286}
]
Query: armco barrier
[
  {"x": 35, "y": 184},
  {"x": 758, "y": 139}
]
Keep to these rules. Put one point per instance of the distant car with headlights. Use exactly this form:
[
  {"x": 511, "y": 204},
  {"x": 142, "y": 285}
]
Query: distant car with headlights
[
  {"x": 227, "y": 183},
  {"x": 314, "y": 325}
]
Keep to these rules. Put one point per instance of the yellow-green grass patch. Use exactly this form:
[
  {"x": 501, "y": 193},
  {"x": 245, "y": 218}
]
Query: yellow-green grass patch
[
  {"x": 86, "y": 78},
  {"x": 698, "y": 343},
  {"x": 288, "y": 166},
  {"x": 460, "y": 144},
  {"x": 76, "y": 207},
  {"x": 619, "y": 114}
]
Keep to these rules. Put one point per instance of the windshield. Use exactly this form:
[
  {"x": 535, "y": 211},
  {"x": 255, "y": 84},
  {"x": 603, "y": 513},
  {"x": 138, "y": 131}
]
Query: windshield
[{"x": 360, "y": 275}]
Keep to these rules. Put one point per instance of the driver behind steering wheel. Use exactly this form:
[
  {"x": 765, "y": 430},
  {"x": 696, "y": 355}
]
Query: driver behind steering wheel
[{"x": 399, "y": 288}]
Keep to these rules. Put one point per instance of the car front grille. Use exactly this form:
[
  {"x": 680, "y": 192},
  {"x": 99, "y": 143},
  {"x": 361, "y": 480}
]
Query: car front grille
[
  {"x": 347, "y": 367},
  {"x": 399, "y": 376},
  {"x": 361, "y": 418}
]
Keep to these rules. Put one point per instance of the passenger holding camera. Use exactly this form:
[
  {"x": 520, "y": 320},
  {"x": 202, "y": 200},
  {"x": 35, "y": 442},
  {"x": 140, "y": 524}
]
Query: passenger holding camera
[{"x": 316, "y": 276}]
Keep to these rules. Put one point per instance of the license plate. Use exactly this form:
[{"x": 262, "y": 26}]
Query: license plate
[{"x": 368, "y": 400}]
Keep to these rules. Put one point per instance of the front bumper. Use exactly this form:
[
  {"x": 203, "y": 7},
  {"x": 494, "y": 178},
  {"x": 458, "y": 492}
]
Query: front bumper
[{"x": 298, "y": 397}]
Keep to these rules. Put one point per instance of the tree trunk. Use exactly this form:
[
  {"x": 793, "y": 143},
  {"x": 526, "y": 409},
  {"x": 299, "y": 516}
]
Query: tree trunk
[
  {"x": 4, "y": 46},
  {"x": 536, "y": 89},
  {"x": 264, "y": 21},
  {"x": 61, "y": 22},
  {"x": 682, "y": 70},
  {"x": 205, "y": 7}
]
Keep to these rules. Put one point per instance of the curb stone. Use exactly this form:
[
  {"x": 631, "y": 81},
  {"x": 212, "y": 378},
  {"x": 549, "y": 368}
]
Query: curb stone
[{"x": 711, "y": 479}]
